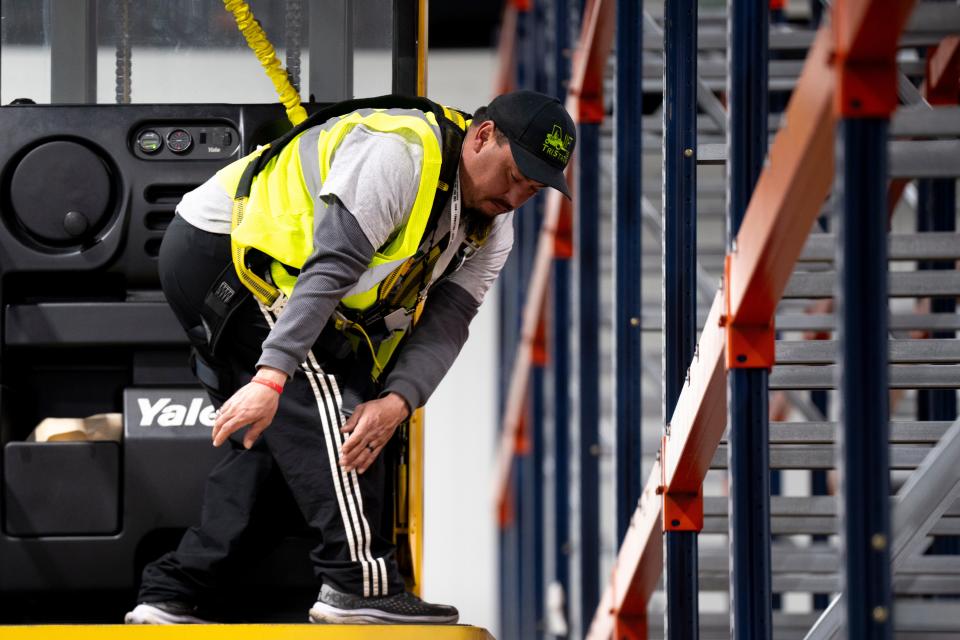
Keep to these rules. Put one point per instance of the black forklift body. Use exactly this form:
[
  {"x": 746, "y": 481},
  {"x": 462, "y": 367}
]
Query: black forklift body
[{"x": 86, "y": 193}]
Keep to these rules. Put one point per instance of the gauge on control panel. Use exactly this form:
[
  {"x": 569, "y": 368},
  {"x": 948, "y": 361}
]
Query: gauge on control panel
[
  {"x": 179, "y": 141},
  {"x": 185, "y": 140},
  {"x": 149, "y": 141}
]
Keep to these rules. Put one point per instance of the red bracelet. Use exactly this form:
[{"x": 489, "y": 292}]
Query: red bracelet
[{"x": 276, "y": 386}]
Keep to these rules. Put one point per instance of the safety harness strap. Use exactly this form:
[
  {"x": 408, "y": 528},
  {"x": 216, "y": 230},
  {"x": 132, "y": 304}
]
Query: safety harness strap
[{"x": 225, "y": 296}]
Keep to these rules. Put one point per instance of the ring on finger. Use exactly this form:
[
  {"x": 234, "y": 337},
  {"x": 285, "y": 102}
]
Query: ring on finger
[{"x": 370, "y": 447}]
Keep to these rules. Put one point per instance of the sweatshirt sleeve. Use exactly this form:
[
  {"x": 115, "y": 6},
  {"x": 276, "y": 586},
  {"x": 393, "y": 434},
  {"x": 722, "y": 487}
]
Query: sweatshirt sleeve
[
  {"x": 442, "y": 331},
  {"x": 435, "y": 343}
]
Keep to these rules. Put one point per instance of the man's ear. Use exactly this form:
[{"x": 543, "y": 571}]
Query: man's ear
[{"x": 484, "y": 133}]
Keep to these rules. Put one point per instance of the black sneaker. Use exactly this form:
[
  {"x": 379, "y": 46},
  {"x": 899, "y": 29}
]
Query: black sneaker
[
  {"x": 402, "y": 608},
  {"x": 169, "y": 612}
]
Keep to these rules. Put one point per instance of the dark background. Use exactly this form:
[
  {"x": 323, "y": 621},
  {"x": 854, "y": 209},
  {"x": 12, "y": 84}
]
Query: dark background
[{"x": 162, "y": 23}]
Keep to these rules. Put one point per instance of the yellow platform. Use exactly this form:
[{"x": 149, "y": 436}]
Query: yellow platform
[{"x": 244, "y": 632}]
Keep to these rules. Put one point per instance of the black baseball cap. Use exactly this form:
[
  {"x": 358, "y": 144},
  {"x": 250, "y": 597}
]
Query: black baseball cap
[{"x": 541, "y": 134}]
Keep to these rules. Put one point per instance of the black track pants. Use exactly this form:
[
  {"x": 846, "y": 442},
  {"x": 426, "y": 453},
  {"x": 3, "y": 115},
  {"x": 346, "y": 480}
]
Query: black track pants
[{"x": 295, "y": 461}]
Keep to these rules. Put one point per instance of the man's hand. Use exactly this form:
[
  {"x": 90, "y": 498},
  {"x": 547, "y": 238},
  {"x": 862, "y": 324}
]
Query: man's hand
[
  {"x": 253, "y": 404},
  {"x": 370, "y": 427}
]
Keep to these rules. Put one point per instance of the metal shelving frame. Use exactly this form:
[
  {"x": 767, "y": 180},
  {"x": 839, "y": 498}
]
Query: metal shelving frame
[{"x": 732, "y": 373}]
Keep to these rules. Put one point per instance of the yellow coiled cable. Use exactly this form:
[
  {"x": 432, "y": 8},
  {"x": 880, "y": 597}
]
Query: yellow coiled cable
[{"x": 261, "y": 46}]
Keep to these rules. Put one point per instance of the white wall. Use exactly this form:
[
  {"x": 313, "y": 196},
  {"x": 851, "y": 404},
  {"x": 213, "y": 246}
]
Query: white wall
[{"x": 460, "y": 564}]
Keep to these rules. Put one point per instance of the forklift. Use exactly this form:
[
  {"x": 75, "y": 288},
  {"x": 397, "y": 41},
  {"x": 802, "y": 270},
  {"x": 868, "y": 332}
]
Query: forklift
[{"x": 86, "y": 192}]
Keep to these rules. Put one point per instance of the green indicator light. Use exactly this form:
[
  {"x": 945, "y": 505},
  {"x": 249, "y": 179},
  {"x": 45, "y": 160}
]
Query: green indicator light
[{"x": 149, "y": 141}]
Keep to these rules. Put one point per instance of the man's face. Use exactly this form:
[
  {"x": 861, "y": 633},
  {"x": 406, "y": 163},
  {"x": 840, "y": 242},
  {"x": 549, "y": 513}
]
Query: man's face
[{"x": 492, "y": 183}]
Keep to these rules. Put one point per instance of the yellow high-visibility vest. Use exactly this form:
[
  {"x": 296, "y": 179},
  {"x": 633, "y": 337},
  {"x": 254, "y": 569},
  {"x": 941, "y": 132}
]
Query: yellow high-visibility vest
[{"x": 276, "y": 216}]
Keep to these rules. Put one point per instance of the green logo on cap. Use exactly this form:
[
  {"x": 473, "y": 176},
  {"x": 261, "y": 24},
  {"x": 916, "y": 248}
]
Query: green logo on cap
[{"x": 557, "y": 145}]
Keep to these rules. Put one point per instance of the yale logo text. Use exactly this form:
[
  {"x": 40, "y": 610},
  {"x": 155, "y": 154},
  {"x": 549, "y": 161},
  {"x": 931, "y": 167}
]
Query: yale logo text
[{"x": 164, "y": 414}]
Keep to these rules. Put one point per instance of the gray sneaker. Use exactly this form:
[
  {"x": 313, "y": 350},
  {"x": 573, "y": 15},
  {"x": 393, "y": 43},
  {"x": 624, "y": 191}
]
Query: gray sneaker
[
  {"x": 401, "y": 608},
  {"x": 170, "y": 612}
]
